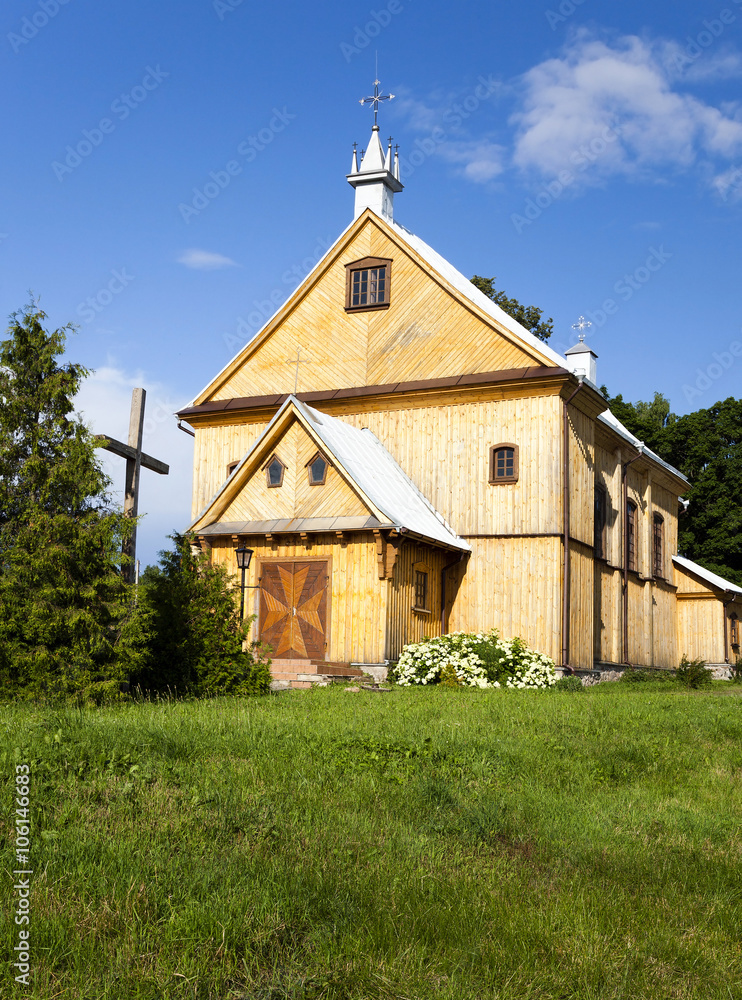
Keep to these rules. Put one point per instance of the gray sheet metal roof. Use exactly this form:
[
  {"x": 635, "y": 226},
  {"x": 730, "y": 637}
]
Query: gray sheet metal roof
[{"x": 716, "y": 581}]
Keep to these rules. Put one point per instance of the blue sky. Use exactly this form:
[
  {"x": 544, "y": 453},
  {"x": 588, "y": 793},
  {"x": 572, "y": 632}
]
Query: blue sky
[{"x": 602, "y": 165}]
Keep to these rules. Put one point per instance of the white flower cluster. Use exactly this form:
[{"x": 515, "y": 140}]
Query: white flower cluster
[{"x": 477, "y": 659}]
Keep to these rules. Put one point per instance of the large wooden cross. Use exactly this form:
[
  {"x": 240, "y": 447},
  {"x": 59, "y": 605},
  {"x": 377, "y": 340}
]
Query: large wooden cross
[{"x": 136, "y": 459}]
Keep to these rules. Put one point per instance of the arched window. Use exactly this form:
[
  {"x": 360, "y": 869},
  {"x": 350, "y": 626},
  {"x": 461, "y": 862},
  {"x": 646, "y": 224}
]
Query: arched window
[
  {"x": 231, "y": 467},
  {"x": 734, "y": 623},
  {"x": 658, "y": 566},
  {"x": 274, "y": 469},
  {"x": 631, "y": 535},
  {"x": 504, "y": 463},
  {"x": 600, "y": 514}
]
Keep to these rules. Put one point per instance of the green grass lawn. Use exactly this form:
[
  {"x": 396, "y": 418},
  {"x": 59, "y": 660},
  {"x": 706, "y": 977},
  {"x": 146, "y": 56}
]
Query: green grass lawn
[{"x": 426, "y": 843}]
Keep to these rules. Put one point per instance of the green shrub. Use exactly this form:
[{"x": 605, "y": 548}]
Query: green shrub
[
  {"x": 693, "y": 673},
  {"x": 635, "y": 676},
  {"x": 737, "y": 670},
  {"x": 569, "y": 683}
]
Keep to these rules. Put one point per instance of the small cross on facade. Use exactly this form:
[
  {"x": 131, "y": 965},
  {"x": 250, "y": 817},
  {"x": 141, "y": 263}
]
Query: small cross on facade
[
  {"x": 582, "y": 324},
  {"x": 136, "y": 459},
  {"x": 299, "y": 361}
]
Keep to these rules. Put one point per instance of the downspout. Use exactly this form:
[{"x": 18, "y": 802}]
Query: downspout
[
  {"x": 566, "y": 510},
  {"x": 726, "y": 636},
  {"x": 186, "y": 430},
  {"x": 449, "y": 565},
  {"x": 625, "y": 518}
]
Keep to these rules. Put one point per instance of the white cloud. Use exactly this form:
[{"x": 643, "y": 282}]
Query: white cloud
[
  {"x": 568, "y": 103},
  {"x": 202, "y": 260},
  {"x": 104, "y": 402},
  {"x": 728, "y": 184},
  {"x": 481, "y": 160}
]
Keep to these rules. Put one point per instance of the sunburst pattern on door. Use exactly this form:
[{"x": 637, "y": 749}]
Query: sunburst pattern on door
[{"x": 293, "y": 608}]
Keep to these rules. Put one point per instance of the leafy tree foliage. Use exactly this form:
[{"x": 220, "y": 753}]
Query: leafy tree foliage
[
  {"x": 707, "y": 448},
  {"x": 527, "y": 316},
  {"x": 196, "y": 636},
  {"x": 65, "y": 613}
]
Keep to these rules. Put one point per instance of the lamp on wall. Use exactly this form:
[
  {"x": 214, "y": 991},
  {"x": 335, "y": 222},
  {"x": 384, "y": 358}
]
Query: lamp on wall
[{"x": 243, "y": 562}]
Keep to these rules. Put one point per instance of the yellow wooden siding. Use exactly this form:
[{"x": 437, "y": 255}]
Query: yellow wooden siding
[
  {"x": 425, "y": 333},
  {"x": 701, "y": 630},
  {"x": 295, "y": 498},
  {"x": 688, "y": 583},
  {"x": 581, "y": 476},
  {"x": 445, "y": 451},
  {"x": 405, "y": 624},
  {"x": 358, "y": 598},
  {"x": 664, "y": 626},
  {"x": 513, "y": 585},
  {"x": 608, "y": 475},
  {"x": 215, "y": 448},
  {"x": 581, "y": 607}
]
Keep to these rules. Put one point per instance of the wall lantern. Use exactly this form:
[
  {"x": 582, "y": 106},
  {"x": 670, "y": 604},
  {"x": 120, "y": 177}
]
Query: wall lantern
[{"x": 243, "y": 563}]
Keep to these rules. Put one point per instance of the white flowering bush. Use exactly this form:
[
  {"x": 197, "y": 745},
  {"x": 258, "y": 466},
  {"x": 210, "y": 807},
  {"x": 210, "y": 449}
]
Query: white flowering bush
[{"x": 476, "y": 659}]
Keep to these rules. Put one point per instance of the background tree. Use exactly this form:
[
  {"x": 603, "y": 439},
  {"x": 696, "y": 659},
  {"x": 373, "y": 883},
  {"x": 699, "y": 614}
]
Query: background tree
[
  {"x": 67, "y": 621},
  {"x": 707, "y": 448},
  {"x": 196, "y": 636},
  {"x": 527, "y": 316}
]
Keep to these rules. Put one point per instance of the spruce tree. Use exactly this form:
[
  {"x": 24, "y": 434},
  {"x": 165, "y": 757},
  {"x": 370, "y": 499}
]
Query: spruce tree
[{"x": 67, "y": 622}]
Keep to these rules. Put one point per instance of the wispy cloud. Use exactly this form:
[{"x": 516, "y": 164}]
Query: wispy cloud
[
  {"x": 203, "y": 260},
  {"x": 565, "y": 102}
]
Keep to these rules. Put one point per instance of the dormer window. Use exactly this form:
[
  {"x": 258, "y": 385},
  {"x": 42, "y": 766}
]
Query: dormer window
[
  {"x": 317, "y": 470},
  {"x": 368, "y": 284},
  {"x": 231, "y": 467},
  {"x": 274, "y": 470},
  {"x": 504, "y": 463}
]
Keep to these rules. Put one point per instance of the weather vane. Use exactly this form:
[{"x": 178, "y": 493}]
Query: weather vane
[
  {"x": 582, "y": 324},
  {"x": 376, "y": 100}
]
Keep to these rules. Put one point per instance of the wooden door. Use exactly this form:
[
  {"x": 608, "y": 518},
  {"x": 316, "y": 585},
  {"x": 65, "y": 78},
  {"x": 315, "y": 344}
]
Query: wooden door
[{"x": 293, "y": 608}]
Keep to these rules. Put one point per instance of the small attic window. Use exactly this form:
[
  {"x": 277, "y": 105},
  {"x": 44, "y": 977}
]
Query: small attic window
[
  {"x": 318, "y": 466},
  {"x": 368, "y": 284},
  {"x": 274, "y": 470},
  {"x": 231, "y": 467}
]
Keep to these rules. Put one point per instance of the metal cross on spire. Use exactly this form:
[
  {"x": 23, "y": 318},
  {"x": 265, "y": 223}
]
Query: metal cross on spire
[
  {"x": 582, "y": 324},
  {"x": 376, "y": 100}
]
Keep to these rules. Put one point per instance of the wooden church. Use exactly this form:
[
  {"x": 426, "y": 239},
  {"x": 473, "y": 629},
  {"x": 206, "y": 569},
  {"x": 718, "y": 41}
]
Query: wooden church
[{"x": 427, "y": 465}]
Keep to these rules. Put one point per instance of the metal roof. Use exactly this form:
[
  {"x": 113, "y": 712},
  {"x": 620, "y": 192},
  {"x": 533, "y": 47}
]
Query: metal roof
[{"x": 716, "y": 581}]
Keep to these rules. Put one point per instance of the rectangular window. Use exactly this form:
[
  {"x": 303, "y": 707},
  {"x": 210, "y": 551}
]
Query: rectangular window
[
  {"x": 600, "y": 522},
  {"x": 631, "y": 536},
  {"x": 657, "y": 560},
  {"x": 421, "y": 590},
  {"x": 734, "y": 621},
  {"x": 369, "y": 287}
]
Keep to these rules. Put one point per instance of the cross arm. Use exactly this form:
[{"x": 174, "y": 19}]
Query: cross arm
[{"x": 126, "y": 451}]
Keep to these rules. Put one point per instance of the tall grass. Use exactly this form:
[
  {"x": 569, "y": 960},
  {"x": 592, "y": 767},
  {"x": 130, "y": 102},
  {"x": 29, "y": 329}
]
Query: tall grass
[{"x": 425, "y": 844}]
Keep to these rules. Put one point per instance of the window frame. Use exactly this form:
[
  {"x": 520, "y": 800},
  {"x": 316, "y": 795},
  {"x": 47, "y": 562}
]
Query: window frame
[
  {"x": 599, "y": 523},
  {"x": 734, "y": 630},
  {"x": 310, "y": 463},
  {"x": 504, "y": 480},
  {"x": 658, "y": 546},
  {"x": 232, "y": 466},
  {"x": 365, "y": 264},
  {"x": 266, "y": 468},
  {"x": 632, "y": 561}
]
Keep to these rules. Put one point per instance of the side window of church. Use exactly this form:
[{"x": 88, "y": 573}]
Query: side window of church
[
  {"x": 734, "y": 622},
  {"x": 274, "y": 470},
  {"x": 421, "y": 590},
  {"x": 601, "y": 500},
  {"x": 657, "y": 556},
  {"x": 631, "y": 535},
  {"x": 368, "y": 284},
  {"x": 504, "y": 463}
]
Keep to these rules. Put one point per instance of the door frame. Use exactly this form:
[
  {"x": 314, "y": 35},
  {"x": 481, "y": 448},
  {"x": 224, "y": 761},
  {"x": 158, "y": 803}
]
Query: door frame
[{"x": 299, "y": 559}]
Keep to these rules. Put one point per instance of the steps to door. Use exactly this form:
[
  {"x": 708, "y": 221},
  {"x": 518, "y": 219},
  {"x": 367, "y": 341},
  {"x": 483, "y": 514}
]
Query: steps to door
[{"x": 296, "y": 673}]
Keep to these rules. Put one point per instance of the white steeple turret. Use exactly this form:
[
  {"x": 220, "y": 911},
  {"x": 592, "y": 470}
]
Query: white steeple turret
[
  {"x": 581, "y": 358},
  {"x": 377, "y": 180},
  {"x": 354, "y": 161}
]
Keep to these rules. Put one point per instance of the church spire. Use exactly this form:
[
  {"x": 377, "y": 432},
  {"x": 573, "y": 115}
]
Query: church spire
[{"x": 377, "y": 179}]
